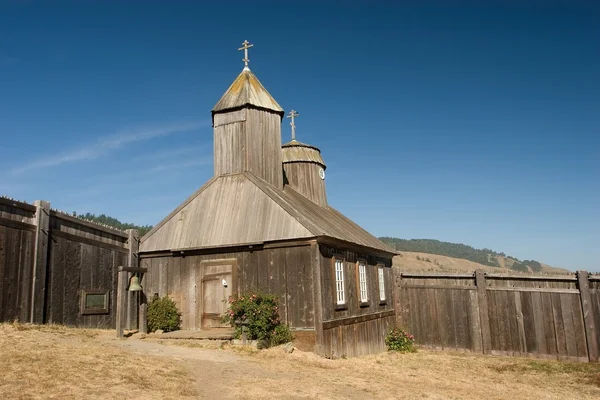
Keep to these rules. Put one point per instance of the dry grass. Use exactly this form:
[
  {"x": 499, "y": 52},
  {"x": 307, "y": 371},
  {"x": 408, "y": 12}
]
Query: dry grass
[
  {"x": 408, "y": 262},
  {"x": 272, "y": 374},
  {"x": 61, "y": 363}
]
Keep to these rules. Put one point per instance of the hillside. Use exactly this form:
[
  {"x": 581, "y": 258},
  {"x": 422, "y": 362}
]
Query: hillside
[
  {"x": 409, "y": 261},
  {"x": 434, "y": 255}
]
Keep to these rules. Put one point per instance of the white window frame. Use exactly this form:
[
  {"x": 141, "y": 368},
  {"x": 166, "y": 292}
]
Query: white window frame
[
  {"x": 362, "y": 282},
  {"x": 340, "y": 289},
  {"x": 381, "y": 277}
]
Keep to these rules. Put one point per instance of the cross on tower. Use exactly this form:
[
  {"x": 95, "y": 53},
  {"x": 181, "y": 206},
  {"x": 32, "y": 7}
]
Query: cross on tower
[
  {"x": 292, "y": 115},
  {"x": 245, "y": 46}
]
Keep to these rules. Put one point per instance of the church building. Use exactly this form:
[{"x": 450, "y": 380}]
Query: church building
[{"x": 262, "y": 222}]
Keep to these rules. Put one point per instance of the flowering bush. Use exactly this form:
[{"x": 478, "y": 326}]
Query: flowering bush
[
  {"x": 400, "y": 340},
  {"x": 261, "y": 313}
]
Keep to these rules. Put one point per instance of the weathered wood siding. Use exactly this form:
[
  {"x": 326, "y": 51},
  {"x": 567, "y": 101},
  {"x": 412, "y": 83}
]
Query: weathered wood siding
[
  {"x": 249, "y": 140},
  {"x": 17, "y": 240},
  {"x": 72, "y": 255},
  {"x": 81, "y": 257},
  {"x": 230, "y": 210},
  {"x": 356, "y": 328},
  {"x": 304, "y": 178},
  {"x": 263, "y": 145},
  {"x": 284, "y": 271},
  {"x": 520, "y": 315}
]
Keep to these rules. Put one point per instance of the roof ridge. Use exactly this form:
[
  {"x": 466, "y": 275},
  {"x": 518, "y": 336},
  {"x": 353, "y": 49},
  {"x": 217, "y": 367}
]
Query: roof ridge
[{"x": 258, "y": 182}]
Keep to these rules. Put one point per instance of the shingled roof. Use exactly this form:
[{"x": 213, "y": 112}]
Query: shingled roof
[
  {"x": 247, "y": 90},
  {"x": 214, "y": 216}
]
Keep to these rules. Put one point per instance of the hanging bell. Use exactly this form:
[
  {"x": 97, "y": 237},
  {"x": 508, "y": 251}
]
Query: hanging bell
[{"x": 134, "y": 284}]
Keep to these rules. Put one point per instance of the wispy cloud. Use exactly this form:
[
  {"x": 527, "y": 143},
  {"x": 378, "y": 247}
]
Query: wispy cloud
[{"x": 106, "y": 144}]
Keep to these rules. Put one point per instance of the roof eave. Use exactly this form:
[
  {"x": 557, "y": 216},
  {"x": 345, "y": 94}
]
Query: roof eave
[{"x": 328, "y": 240}]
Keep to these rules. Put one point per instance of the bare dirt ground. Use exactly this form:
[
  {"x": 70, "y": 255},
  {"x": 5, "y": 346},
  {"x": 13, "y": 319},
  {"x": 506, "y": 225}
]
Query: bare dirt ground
[{"x": 61, "y": 363}]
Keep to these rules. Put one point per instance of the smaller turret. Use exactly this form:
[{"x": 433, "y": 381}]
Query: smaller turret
[{"x": 304, "y": 168}]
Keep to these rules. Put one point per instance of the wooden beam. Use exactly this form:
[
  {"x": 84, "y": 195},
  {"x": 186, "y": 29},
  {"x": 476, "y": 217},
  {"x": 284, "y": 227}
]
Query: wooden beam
[
  {"x": 92, "y": 242},
  {"x": 448, "y": 287},
  {"x": 333, "y": 323},
  {"x": 10, "y": 223},
  {"x": 317, "y": 298},
  {"x": 133, "y": 245},
  {"x": 437, "y": 276},
  {"x": 121, "y": 302},
  {"x": 17, "y": 204},
  {"x": 92, "y": 225},
  {"x": 138, "y": 270},
  {"x": 40, "y": 261},
  {"x": 484, "y": 317},
  {"x": 588, "y": 315},
  {"x": 530, "y": 289}
]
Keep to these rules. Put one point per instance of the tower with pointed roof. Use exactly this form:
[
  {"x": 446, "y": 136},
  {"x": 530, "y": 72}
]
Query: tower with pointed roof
[{"x": 247, "y": 129}]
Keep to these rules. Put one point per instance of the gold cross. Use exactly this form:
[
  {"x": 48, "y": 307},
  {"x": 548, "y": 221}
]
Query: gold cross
[
  {"x": 245, "y": 46},
  {"x": 292, "y": 115}
]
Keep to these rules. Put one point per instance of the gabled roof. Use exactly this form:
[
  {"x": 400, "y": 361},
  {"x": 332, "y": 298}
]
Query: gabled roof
[
  {"x": 247, "y": 90},
  {"x": 240, "y": 209}
]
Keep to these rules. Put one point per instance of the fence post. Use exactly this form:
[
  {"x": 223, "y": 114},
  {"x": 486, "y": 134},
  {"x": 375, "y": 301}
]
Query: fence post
[
  {"x": 133, "y": 243},
  {"x": 588, "y": 316},
  {"x": 121, "y": 301},
  {"x": 484, "y": 317},
  {"x": 40, "y": 262}
]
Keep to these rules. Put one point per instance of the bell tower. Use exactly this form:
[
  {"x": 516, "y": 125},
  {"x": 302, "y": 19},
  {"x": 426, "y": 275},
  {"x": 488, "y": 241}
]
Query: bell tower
[{"x": 247, "y": 129}]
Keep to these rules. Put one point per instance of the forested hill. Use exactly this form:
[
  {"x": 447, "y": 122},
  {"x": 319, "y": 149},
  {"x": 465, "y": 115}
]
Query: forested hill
[
  {"x": 110, "y": 221},
  {"x": 457, "y": 250}
]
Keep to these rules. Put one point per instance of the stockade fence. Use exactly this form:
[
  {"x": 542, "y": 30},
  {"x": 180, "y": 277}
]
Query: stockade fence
[
  {"x": 56, "y": 268},
  {"x": 519, "y": 315}
]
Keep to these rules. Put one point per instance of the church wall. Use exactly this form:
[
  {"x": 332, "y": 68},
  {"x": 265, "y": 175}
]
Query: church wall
[
  {"x": 284, "y": 271},
  {"x": 229, "y": 154},
  {"x": 304, "y": 178},
  {"x": 354, "y": 329},
  {"x": 263, "y": 145}
]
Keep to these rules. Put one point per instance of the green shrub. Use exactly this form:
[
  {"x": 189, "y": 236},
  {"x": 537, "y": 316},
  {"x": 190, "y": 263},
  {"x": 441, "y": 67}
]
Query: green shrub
[
  {"x": 400, "y": 340},
  {"x": 260, "y": 312},
  {"x": 163, "y": 314}
]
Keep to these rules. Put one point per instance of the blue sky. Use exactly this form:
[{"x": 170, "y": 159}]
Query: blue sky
[{"x": 470, "y": 122}]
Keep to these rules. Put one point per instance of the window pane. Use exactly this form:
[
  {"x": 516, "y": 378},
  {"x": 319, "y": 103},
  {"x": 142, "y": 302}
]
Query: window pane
[
  {"x": 362, "y": 278},
  {"x": 339, "y": 281},
  {"x": 381, "y": 285}
]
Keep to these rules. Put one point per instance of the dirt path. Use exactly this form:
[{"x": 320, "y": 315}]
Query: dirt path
[{"x": 234, "y": 373}]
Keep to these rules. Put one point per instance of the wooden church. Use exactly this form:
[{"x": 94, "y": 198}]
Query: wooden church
[{"x": 263, "y": 222}]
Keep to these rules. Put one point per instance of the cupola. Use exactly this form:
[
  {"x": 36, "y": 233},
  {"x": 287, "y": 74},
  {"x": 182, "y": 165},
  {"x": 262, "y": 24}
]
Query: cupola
[{"x": 304, "y": 168}]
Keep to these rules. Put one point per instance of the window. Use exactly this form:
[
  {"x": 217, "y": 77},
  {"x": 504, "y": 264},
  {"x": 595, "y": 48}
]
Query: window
[
  {"x": 94, "y": 302},
  {"x": 339, "y": 282},
  {"x": 362, "y": 281},
  {"x": 381, "y": 284}
]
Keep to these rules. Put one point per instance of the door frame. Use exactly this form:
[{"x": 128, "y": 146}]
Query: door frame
[{"x": 233, "y": 262}]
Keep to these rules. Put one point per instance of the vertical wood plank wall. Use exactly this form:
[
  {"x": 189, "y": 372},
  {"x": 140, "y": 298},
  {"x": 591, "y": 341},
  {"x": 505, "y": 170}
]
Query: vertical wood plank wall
[
  {"x": 526, "y": 315},
  {"x": 354, "y": 329},
  {"x": 285, "y": 272},
  {"x": 17, "y": 241},
  {"x": 80, "y": 256}
]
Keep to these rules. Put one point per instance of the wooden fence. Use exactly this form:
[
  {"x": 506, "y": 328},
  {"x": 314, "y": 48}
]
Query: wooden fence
[
  {"x": 540, "y": 316},
  {"x": 55, "y": 268}
]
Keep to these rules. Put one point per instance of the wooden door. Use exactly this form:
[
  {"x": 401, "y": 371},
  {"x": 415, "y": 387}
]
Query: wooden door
[{"x": 217, "y": 283}]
